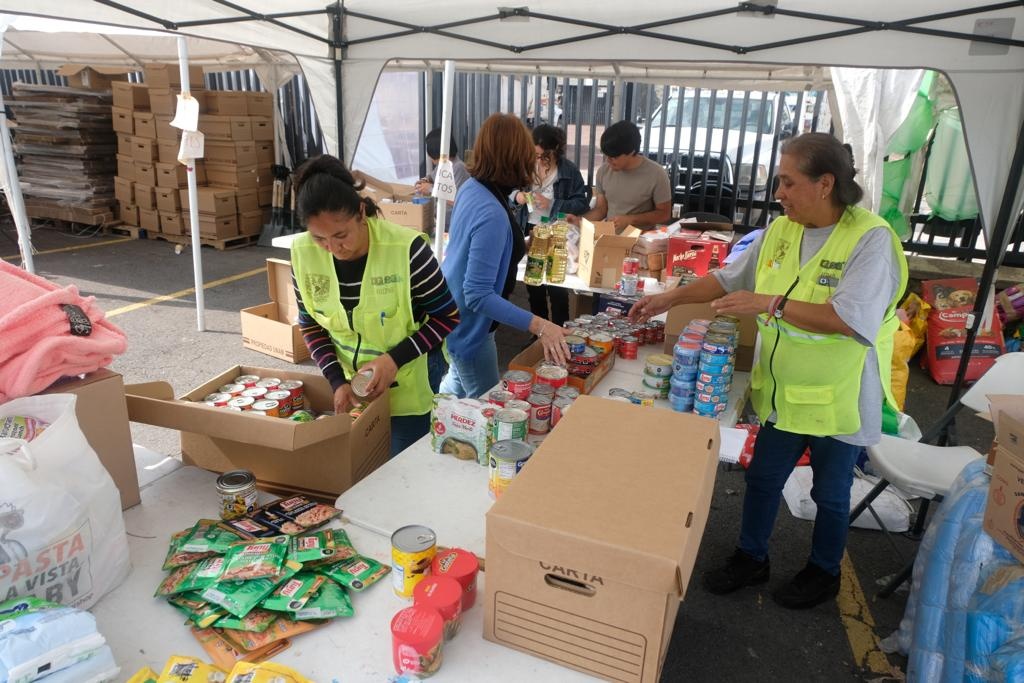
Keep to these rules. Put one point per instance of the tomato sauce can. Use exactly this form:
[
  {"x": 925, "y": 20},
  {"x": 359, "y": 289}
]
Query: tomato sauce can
[
  {"x": 540, "y": 413},
  {"x": 412, "y": 549},
  {"x": 417, "y": 634},
  {"x": 462, "y": 566},
  {"x": 284, "y": 401},
  {"x": 255, "y": 392},
  {"x": 232, "y": 388},
  {"x": 297, "y": 390},
  {"x": 217, "y": 399},
  {"x": 518, "y": 382},
  {"x": 629, "y": 348},
  {"x": 500, "y": 397},
  {"x": 559, "y": 407},
  {"x": 444, "y": 594},
  {"x": 238, "y": 495},
  {"x": 509, "y": 423},
  {"x": 555, "y": 375},
  {"x": 241, "y": 402},
  {"x": 268, "y": 407},
  {"x": 505, "y": 460},
  {"x": 247, "y": 380}
]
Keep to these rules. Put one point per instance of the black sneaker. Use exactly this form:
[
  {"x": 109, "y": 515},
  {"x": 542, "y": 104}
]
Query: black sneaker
[
  {"x": 739, "y": 570},
  {"x": 811, "y": 586}
]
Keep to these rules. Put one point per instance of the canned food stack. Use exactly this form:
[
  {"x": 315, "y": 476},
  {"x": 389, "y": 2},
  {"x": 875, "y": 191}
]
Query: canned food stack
[
  {"x": 595, "y": 335},
  {"x": 716, "y": 358},
  {"x": 630, "y": 283},
  {"x": 268, "y": 396},
  {"x": 658, "y": 374}
]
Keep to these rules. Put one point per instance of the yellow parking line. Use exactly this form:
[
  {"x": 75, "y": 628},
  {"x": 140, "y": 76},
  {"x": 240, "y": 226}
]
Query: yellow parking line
[
  {"x": 74, "y": 248},
  {"x": 184, "y": 292},
  {"x": 859, "y": 624}
]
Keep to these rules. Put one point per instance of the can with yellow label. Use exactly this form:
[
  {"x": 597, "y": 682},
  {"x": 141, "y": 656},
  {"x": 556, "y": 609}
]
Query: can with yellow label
[{"x": 412, "y": 550}]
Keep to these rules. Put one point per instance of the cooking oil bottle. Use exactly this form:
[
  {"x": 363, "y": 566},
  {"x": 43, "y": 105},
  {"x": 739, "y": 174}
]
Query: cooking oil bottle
[
  {"x": 536, "y": 257},
  {"x": 558, "y": 254}
]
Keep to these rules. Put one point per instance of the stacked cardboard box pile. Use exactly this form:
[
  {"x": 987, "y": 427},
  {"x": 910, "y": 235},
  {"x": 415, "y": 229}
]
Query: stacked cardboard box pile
[{"x": 234, "y": 177}]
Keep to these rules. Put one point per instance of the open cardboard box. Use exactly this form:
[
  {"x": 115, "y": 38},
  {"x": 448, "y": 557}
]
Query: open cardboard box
[
  {"x": 602, "y": 251},
  {"x": 529, "y": 358},
  {"x": 589, "y": 555},
  {"x": 322, "y": 459},
  {"x": 1004, "y": 511},
  {"x": 270, "y": 328},
  {"x": 678, "y": 316},
  {"x": 395, "y": 202}
]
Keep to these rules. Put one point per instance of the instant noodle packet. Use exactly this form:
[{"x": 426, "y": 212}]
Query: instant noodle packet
[
  {"x": 332, "y": 601},
  {"x": 225, "y": 655},
  {"x": 257, "y": 621},
  {"x": 143, "y": 675},
  {"x": 198, "y": 611},
  {"x": 255, "y": 560},
  {"x": 293, "y": 593},
  {"x": 176, "y": 557},
  {"x": 312, "y": 547},
  {"x": 207, "y": 536},
  {"x": 189, "y": 670},
  {"x": 191, "y": 577},
  {"x": 267, "y": 672},
  {"x": 239, "y": 597},
  {"x": 281, "y": 629},
  {"x": 356, "y": 573}
]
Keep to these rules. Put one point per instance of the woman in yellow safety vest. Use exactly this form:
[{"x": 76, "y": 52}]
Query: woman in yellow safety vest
[
  {"x": 824, "y": 281},
  {"x": 372, "y": 300}
]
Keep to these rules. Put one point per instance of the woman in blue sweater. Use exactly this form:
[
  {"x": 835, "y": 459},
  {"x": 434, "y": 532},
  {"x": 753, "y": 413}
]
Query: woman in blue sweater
[{"x": 484, "y": 246}]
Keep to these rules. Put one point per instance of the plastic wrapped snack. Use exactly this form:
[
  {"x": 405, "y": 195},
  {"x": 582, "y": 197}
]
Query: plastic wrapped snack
[
  {"x": 461, "y": 427},
  {"x": 356, "y": 573}
]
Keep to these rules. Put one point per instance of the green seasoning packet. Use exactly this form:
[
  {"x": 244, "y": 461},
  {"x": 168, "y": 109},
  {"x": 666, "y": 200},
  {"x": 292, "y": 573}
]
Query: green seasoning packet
[
  {"x": 192, "y": 577},
  {"x": 176, "y": 557},
  {"x": 256, "y": 621},
  {"x": 293, "y": 593},
  {"x": 312, "y": 547},
  {"x": 355, "y": 573},
  {"x": 255, "y": 559},
  {"x": 199, "y": 612},
  {"x": 343, "y": 549},
  {"x": 332, "y": 601},
  {"x": 16, "y": 607},
  {"x": 207, "y": 536},
  {"x": 239, "y": 597}
]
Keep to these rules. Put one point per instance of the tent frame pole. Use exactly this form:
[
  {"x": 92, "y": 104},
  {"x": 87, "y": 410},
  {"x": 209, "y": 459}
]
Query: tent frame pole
[
  {"x": 193, "y": 201},
  {"x": 337, "y": 38},
  {"x": 441, "y": 211},
  {"x": 15, "y": 198}
]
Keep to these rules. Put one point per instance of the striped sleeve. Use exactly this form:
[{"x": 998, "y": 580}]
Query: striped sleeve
[
  {"x": 319, "y": 343},
  {"x": 432, "y": 305}
]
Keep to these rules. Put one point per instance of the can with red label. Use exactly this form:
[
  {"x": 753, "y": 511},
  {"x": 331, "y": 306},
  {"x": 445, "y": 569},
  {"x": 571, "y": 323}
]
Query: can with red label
[
  {"x": 462, "y": 566},
  {"x": 417, "y": 634},
  {"x": 297, "y": 390},
  {"x": 559, "y": 407},
  {"x": 656, "y": 331},
  {"x": 255, "y": 392},
  {"x": 247, "y": 380},
  {"x": 269, "y": 383},
  {"x": 241, "y": 402},
  {"x": 630, "y": 266},
  {"x": 269, "y": 408},
  {"x": 500, "y": 397},
  {"x": 518, "y": 382},
  {"x": 217, "y": 400},
  {"x": 629, "y": 348},
  {"x": 555, "y": 375},
  {"x": 445, "y": 595},
  {"x": 540, "y": 413},
  {"x": 284, "y": 401},
  {"x": 232, "y": 388}
]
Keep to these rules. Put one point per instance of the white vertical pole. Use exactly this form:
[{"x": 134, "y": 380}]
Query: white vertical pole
[
  {"x": 446, "y": 141},
  {"x": 14, "y": 197},
  {"x": 193, "y": 203}
]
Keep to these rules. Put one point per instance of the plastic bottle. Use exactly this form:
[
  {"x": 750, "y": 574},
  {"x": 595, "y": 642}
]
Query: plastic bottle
[
  {"x": 558, "y": 255},
  {"x": 537, "y": 256}
]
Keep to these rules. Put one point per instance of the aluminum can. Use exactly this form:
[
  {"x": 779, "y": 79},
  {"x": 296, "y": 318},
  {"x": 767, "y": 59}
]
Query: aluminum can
[{"x": 412, "y": 549}]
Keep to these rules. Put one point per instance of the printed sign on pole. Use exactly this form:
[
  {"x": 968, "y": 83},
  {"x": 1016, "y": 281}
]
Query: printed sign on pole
[{"x": 444, "y": 181}]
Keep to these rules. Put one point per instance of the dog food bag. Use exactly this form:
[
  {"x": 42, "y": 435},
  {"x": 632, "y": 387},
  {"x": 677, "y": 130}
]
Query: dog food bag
[
  {"x": 331, "y": 602},
  {"x": 952, "y": 300},
  {"x": 461, "y": 427},
  {"x": 356, "y": 573}
]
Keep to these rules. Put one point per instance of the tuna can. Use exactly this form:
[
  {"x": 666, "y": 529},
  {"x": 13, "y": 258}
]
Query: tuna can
[
  {"x": 685, "y": 355},
  {"x": 714, "y": 377},
  {"x": 571, "y": 393},
  {"x": 659, "y": 365},
  {"x": 233, "y": 388},
  {"x": 297, "y": 390},
  {"x": 284, "y": 401},
  {"x": 518, "y": 404},
  {"x": 417, "y": 634},
  {"x": 412, "y": 549},
  {"x": 518, "y": 382},
  {"x": 269, "y": 407},
  {"x": 715, "y": 360},
  {"x": 241, "y": 402},
  {"x": 555, "y": 375},
  {"x": 500, "y": 397},
  {"x": 575, "y": 343},
  {"x": 656, "y": 381},
  {"x": 445, "y": 595},
  {"x": 361, "y": 382},
  {"x": 589, "y": 357},
  {"x": 629, "y": 348},
  {"x": 247, "y": 380},
  {"x": 724, "y": 317},
  {"x": 559, "y": 407},
  {"x": 462, "y": 566},
  {"x": 510, "y": 424},
  {"x": 717, "y": 345},
  {"x": 237, "y": 491},
  {"x": 269, "y": 383},
  {"x": 585, "y": 319},
  {"x": 540, "y": 413},
  {"x": 255, "y": 392},
  {"x": 506, "y": 459},
  {"x": 709, "y": 409},
  {"x": 217, "y": 400},
  {"x": 681, "y": 404},
  {"x": 542, "y": 390},
  {"x": 602, "y": 342}
]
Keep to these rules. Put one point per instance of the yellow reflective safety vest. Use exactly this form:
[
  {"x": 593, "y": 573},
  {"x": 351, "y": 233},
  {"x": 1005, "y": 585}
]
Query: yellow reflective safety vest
[
  {"x": 382, "y": 318},
  {"x": 812, "y": 380}
]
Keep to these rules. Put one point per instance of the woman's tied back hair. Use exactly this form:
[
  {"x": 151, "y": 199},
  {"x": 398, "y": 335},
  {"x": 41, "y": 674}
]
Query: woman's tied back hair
[
  {"x": 821, "y": 153},
  {"x": 323, "y": 184}
]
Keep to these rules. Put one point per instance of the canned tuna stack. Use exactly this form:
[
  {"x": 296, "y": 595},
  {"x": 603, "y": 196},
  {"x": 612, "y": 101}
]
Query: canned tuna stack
[
  {"x": 658, "y": 374},
  {"x": 714, "y": 372}
]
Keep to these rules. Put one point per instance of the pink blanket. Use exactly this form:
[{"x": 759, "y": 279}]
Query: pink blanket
[{"x": 37, "y": 346}]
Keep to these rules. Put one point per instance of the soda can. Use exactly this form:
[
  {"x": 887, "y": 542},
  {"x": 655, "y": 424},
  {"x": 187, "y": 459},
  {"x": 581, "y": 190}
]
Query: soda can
[
  {"x": 630, "y": 265},
  {"x": 500, "y": 397},
  {"x": 518, "y": 382},
  {"x": 510, "y": 424},
  {"x": 540, "y": 413}
]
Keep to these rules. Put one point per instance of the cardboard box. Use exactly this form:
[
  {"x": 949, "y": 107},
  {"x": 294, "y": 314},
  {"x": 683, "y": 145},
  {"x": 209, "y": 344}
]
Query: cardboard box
[
  {"x": 164, "y": 101},
  {"x": 93, "y": 77},
  {"x": 176, "y": 175},
  {"x": 266, "y": 194},
  {"x": 214, "y": 201},
  {"x": 262, "y": 128},
  {"x": 247, "y": 200},
  {"x": 128, "y": 213},
  {"x": 125, "y": 167},
  {"x": 167, "y": 152},
  {"x": 124, "y": 190},
  {"x": 227, "y": 103},
  {"x": 250, "y": 222},
  {"x": 144, "y": 149},
  {"x": 270, "y": 328},
  {"x": 168, "y": 199},
  {"x": 123, "y": 121},
  {"x": 602, "y": 251},
  {"x": 692, "y": 257},
  {"x": 218, "y": 227},
  {"x": 145, "y": 125},
  {"x": 169, "y": 76},
  {"x": 149, "y": 220},
  {"x": 417, "y": 216},
  {"x": 259, "y": 104},
  {"x": 379, "y": 190},
  {"x": 124, "y": 143},
  {"x": 217, "y": 127},
  {"x": 264, "y": 152},
  {"x": 573, "y": 578},
  {"x": 230, "y": 175},
  {"x": 679, "y": 316},
  {"x": 171, "y": 223},
  {"x": 226, "y": 151},
  {"x": 131, "y": 96},
  {"x": 322, "y": 458},
  {"x": 1004, "y": 511},
  {"x": 145, "y": 174},
  {"x": 533, "y": 355},
  {"x": 165, "y": 132},
  {"x": 264, "y": 175},
  {"x": 103, "y": 417},
  {"x": 145, "y": 196}
]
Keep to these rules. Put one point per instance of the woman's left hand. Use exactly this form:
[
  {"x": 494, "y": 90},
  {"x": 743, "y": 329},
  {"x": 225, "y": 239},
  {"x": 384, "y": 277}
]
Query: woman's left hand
[
  {"x": 384, "y": 371},
  {"x": 742, "y": 302}
]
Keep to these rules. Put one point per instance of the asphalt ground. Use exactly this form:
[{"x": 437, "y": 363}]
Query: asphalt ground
[{"x": 146, "y": 289}]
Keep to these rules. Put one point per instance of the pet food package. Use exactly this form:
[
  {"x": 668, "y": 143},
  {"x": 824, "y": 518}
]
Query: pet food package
[
  {"x": 40, "y": 638},
  {"x": 461, "y": 427},
  {"x": 952, "y": 300}
]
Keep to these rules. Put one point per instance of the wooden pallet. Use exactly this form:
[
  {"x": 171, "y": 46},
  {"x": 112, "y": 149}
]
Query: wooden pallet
[{"x": 219, "y": 244}]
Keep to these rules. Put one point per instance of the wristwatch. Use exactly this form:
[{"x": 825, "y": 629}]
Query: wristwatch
[{"x": 778, "y": 309}]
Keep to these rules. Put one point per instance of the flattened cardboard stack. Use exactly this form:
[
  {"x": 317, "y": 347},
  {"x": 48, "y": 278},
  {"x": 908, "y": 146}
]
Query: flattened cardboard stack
[
  {"x": 233, "y": 177},
  {"x": 65, "y": 147}
]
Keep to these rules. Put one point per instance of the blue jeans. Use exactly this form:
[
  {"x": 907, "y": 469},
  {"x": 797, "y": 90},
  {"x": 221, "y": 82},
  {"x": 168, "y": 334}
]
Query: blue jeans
[
  {"x": 473, "y": 377},
  {"x": 407, "y": 429},
  {"x": 775, "y": 456}
]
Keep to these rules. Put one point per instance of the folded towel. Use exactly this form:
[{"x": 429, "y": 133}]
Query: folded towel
[{"x": 40, "y": 341}]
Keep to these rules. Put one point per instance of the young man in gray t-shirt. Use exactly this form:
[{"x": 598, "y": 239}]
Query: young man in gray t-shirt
[{"x": 630, "y": 189}]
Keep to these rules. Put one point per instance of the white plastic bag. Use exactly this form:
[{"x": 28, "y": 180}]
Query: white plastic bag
[
  {"x": 890, "y": 506},
  {"x": 62, "y": 536}
]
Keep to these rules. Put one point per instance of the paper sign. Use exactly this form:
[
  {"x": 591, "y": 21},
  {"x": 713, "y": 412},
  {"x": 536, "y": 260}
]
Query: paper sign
[
  {"x": 444, "y": 181},
  {"x": 192, "y": 143},
  {"x": 186, "y": 116}
]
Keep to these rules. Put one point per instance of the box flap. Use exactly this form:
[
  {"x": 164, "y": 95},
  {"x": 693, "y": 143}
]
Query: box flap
[
  {"x": 643, "y": 506},
  {"x": 617, "y": 241},
  {"x": 596, "y": 228},
  {"x": 279, "y": 281},
  {"x": 1008, "y": 415}
]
